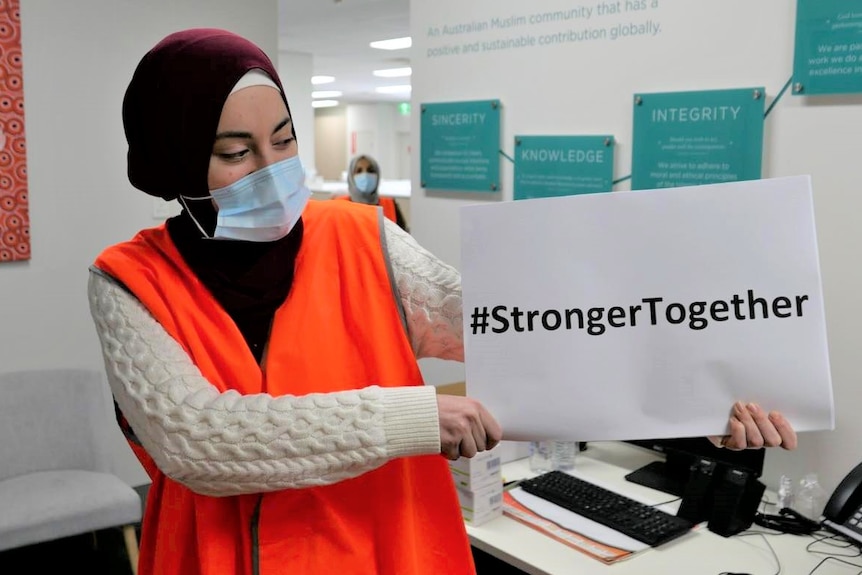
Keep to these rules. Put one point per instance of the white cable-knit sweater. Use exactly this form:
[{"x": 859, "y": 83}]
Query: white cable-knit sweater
[{"x": 227, "y": 443}]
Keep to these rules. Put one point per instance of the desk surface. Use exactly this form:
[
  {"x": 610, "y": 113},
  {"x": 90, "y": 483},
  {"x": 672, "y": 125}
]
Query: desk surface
[{"x": 699, "y": 552}]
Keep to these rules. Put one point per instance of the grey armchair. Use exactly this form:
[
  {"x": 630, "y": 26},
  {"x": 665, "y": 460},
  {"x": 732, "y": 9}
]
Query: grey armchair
[{"x": 55, "y": 477}]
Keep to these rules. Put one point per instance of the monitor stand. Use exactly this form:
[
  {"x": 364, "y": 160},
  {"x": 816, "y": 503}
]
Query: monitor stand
[{"x": 669, "y": 476}]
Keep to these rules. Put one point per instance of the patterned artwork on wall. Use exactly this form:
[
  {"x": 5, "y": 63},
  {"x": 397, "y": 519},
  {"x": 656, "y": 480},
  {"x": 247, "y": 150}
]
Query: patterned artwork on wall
[{"x": 14, "y": 212}]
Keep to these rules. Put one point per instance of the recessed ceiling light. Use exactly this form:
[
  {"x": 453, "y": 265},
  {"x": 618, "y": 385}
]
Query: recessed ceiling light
[
  {"x": 393, "y": 89},
  {"x": 317, "y": 80},
  {"x": 393, "y": 72},
  {"x": 324, "y": 103},
  {"x": 325, "y": 94},
  {"x": 393, "y": 44}
]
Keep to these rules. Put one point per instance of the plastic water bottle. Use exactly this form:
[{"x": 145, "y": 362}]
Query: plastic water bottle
[
  {"x": 563, "y": 454},
  {"x": 811, "y": 497},
  {"x": 541, "y": 456},
  {"x": 785, "y": 493}
]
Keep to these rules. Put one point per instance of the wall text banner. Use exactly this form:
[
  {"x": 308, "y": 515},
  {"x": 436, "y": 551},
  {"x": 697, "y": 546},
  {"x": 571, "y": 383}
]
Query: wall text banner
[
  {"x": 694, "y": 138},
  {"x": 635, "y": 315},
  {"x": 14, "y": 204},
  {"x": 828, "y": 47},
  {"x": 549, "y": 166},
  {"x": 460, "y": 146}
]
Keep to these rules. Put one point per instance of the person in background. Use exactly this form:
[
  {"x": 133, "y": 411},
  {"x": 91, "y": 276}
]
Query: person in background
[
  {"x": 363, "y": 181},
  {"x": 235, "y": 338}
]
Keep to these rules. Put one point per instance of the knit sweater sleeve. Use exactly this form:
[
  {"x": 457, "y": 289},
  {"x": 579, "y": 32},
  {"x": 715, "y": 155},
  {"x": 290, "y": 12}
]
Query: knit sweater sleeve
[
  {"x": 225, "y": 443},
  {"x": 430, "y": 293}
]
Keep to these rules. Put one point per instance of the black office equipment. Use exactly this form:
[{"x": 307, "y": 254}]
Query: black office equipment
[
  {"x": 843, "y": 511},
  {"x": 735, "y": 496},
  {"x": 696, "y": 502},
  {"x": 787, "y": 521},
  {"x": 637, "y": 520},
  {"x": 672, "y": 474},
  {"x": 717, "y": 485}
]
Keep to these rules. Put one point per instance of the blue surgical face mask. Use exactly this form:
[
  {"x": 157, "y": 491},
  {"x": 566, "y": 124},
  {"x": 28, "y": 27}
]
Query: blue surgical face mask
[
  {"x": 365, "y": 182},
  {"x": 262, "y": 206}
]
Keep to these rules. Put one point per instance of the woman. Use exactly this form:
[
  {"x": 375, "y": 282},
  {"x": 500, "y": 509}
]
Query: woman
[
  {"x": 235, "y": 339},
  {"x": 363, "y": 181}
]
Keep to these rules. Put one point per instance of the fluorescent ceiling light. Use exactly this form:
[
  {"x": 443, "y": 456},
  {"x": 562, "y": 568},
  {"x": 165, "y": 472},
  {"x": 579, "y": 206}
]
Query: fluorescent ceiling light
[
  {"x": 325, "y": 94},
  {"x": 317, "y": 80},
  {"x": 393, "y": 44},
  {"x": 324, "y": 103},
  {"x": 393, "y": 72},
  {"x": 393, "y": 89}
]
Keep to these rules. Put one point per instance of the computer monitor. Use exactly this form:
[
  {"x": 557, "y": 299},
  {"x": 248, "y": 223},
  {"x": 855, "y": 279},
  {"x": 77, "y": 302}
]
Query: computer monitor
[{"x": 672, "y": 474}]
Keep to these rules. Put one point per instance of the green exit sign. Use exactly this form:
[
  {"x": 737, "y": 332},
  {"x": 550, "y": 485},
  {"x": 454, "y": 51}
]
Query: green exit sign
[{"x": 404, "y": 108}]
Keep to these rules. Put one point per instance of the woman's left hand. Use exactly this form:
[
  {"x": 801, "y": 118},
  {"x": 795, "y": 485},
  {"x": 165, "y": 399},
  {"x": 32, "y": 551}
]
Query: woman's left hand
[{"x": 752, "y": 428}]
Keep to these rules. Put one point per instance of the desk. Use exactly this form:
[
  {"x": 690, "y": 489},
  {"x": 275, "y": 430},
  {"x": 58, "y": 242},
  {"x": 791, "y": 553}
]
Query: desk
[{"x": 699, "y": 552}]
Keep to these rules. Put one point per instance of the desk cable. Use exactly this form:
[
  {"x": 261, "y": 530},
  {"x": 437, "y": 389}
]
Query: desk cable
[
  {"x": 674, "y": 500},
  {"x": 764, "y": 503},
  {"x": 838, "y": 542},
  {"x": 763, "y": 535},
  {"x": 821, "y": 537}
]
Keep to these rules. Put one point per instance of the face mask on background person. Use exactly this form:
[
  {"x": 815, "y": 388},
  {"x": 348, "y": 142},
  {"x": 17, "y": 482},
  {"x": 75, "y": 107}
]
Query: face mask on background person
[
  {"x": 365, "y": 182},
  {"x": 262, "y": 206}
]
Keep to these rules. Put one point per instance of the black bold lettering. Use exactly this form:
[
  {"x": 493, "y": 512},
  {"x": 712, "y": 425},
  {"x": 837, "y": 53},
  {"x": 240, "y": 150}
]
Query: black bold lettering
[
  {"x": 652, "y": 312},
  {"x": 752, "y": 301},
  {"x": 616, "y": 314},
  {"x": 497, "y": 314},
  {"x": 780, "y": 304},
  {"x": 717, "y": 307},
  {"x": 799, "y": 300},
  {"x": 675, "y": 309}
]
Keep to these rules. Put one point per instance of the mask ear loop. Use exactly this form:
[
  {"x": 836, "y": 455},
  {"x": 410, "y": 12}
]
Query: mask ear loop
[{"x": 182, "y": 200}]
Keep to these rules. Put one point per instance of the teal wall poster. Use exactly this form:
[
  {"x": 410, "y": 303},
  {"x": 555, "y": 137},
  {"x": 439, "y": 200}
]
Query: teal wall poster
[
  {"x": 827, "y": 55},
  {"x": 694, "y": 138},
  {"x": 460, "y": 146},
  {"x": 547, "y": 166}
]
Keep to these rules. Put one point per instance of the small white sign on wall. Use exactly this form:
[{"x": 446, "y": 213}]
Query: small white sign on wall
[{"x": 634, "y": 315}]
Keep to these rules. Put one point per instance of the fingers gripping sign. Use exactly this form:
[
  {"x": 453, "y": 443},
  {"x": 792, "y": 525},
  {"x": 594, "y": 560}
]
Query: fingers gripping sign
[
  {"x": 466, "y": 427},
  {"x": 750, "y": 427}
]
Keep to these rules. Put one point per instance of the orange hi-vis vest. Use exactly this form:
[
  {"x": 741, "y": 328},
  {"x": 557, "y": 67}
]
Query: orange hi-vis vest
[
  {"x": 339, "y": 329},
  {"x": 388, "y": 205}
]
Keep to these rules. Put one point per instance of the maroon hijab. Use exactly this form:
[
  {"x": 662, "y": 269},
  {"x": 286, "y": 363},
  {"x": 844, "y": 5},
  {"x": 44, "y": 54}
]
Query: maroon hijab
[
  {"x": 171, "y": 112},
  {"x": 173, "y": 105}
]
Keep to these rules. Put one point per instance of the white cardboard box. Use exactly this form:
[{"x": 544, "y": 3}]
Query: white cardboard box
[
  {"x": 480, "y": 506},
  {"x": 512, "y": 450},
  {"x": 478, "y": 472}
]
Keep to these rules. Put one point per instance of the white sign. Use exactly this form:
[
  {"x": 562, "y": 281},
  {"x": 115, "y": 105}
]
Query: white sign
[{"x": 635, "y": 315}]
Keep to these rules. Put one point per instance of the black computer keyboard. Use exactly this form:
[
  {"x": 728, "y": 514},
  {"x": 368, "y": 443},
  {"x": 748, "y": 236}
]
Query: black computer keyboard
[{"x": 637, "y": 520}]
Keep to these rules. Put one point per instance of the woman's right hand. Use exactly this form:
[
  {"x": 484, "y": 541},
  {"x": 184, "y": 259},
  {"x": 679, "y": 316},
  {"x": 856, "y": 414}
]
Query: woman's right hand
[{"x": 466, "y": 427}]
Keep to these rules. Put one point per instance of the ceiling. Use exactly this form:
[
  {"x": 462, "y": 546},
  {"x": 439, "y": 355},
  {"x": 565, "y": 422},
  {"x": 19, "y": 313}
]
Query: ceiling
[{"x": 337, "y": 33}]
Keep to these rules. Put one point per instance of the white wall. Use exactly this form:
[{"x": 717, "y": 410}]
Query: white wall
[
  {"x": 587, "y": 88},
  {"x": 330, "y": 139},
  {"x": 379, "y": 129},
  {"x": 377, "y": 126},
  {"x": 78, "y": 59},
  {"x": 295, "y": 70}
]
